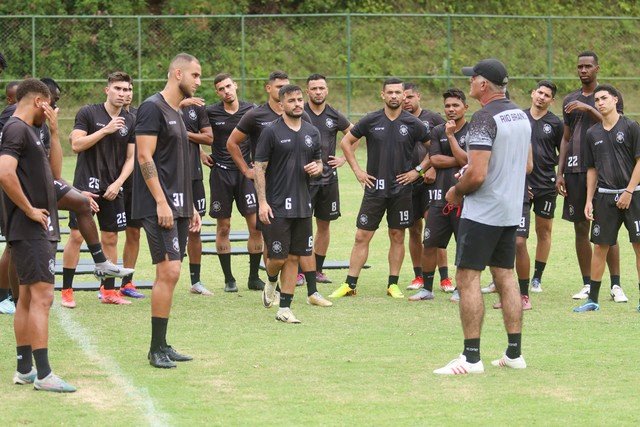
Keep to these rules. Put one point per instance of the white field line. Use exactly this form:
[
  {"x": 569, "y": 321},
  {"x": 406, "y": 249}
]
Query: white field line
[{"x": 139, "y": 396}]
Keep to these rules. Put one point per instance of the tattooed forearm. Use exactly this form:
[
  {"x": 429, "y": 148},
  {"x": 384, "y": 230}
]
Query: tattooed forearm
[
  {"x": 148, "y": 170},
  {"x": 260, "y": 168}
]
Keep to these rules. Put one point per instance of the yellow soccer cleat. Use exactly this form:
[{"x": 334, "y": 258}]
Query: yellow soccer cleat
[
  {"x": 343, "y": 291},
  {"x": 394, "y": 291}
]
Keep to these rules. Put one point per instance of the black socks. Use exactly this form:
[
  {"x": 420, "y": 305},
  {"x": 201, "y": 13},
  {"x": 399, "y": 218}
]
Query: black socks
[
  {"x": 158, "y": 332},
  {"x": 524, "y": 286},
  {"x": 194, "y": 270},
  {"x": 23, "y": 355},
  {"x": 225, "y": 264},
  {"x": 96, "y": 253},
  {"x": 513, "y": 348},
  {"x": 352, "y": 281},
  {"x": 427, "y": 278},
  {"x": 472, "y": 350},
  {"x": 594, "y": 291},
  {"x": 310, "y": 277},
  {"x": 41, "y": 357}
]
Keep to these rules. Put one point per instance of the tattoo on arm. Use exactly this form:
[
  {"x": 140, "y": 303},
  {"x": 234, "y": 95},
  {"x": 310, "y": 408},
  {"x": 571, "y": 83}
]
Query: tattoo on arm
[
  {"x": 259, "y": 182},
  {"x": 148, "y": 170}
]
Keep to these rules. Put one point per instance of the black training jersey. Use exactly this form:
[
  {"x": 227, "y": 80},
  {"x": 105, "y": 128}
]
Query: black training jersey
[
  {"x": 223, "y": 124},
  {"x": 256, "y": 120},
  {"x": 22, "y": 142},
  {"x": 6, "y": 113},
  {"x": 390, "y": 145},
  {"x": 99, "y": 166},
  {"x": 430, "y": 119},
  {"x": 546, "y": 136},
  {"x": 613, "y": 152},
  {"x": 445, "y": 177},
  {"x": 156, "y": 117},
  {"x": 579, "y": 122},
  {"x": 195, "y": 118},
  {"x": 329, "y": 122},
  {"x": 287, "y": 151}
]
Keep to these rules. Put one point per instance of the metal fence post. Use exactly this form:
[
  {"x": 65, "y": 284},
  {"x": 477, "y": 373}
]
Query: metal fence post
[
  {"x": 139, "y": 60},
  {"x": 33, "y": 46},
  {"x": 448, "y": 50},
  {"x": 348, "y": 64},
  {"x": 549, "y": 48},
  {"x": 243, "y": 66}
]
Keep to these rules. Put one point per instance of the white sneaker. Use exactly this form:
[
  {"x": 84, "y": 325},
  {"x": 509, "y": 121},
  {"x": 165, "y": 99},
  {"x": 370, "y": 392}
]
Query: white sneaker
[
  {"x": 109, "y": 269},
  {"x": 505, "y": 362},
  {"x": 286, "y": 315},
  {"x": 319, "y": 300},
  {"x": 460, "y": 366},
  {"x": 618, "y": 294},
  {"x": 489, "y": 289},
  {"x": 198, "y": 288},
  {"x": 536, "y": 285},
  {"x": 584, "y": 293},
  {"x": 269, "y": 294},
  {"x": 7, "y": 306}
]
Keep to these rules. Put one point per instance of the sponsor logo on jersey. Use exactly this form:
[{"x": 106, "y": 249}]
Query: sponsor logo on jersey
[
  {"x": 620, "y": 137},
  {"x": 427, "y": 233},
  {"x": 364, "y": 219},
  {"x": 266, "y": 123},
  {"x": 176, "y": 244},
  {"x": 378, "y": 128},
  {"x": 330, "y": 123},
  {"x": 220, "y": 123},
  {"x": 123, "y": 131},
  {"x": 546, "y": 128},
  {"x": 216, "y": 206},
  {"x": 173, "y": 122},
  {"x": 404, "y": 130},
  {"x": 596, "y": 230},
  {"x": 308, "y": 141},
  {"x": 52, "y": 266},
  {"x": 284, "y": 141},
  {"x": 276, "y": 247},
  {"x": 598, "y": 142},
  {"x": 100, "y": 124},
  {"x": 192, "y": 114}
]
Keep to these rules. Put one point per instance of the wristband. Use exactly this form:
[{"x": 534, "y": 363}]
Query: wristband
[{"x": 627, "y": 191}]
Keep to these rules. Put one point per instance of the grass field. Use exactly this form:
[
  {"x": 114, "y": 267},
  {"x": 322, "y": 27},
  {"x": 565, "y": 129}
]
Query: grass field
[{"x": 367, "y": 360}]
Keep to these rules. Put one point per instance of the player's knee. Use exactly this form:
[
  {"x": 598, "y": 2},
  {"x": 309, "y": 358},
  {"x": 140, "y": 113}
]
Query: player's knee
[
  {"x": 42, "y": 299},
  {"x": 109, "y": 239},
  {"x": 132, "y": 233},
  {"x": 581, "y": 229},
  {"x": 396, "y": 236},
  {"x": 171, "y": 272},
  {"x": 81, "y": 205},
  {"x": 75, "y": 238},
  {"x": 223, "y": 230}
]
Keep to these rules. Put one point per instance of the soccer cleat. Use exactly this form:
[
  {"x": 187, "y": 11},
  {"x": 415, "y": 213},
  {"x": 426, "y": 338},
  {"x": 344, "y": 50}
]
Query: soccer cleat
[
  {"x": 322, "y": 278},
  {"x": 111, "y": 296},
  {"x": 587, "y": 306},
  {"x": 526, "y": 302},
  {"x": 230, "y": 286},
  {"x": 174, "y": 356},
  {"x": 54, "y": 383},
  {"x": 198, "y": 288},
  {"x": 505, "y": 362},
  {"x": 417, "y": 283},
  {"x": 7, "y": 306},
  {"x": 159, "y": 359},
  {"x": 67, "y": 298},
  {"x": 255, "y": 284},
  {"x": 285, "y": 315},
  {"x": 319, "y": 300},
  {"x": 422, "y": 295},
  {"x": 584, "y": 293},
  {"x": 269, "y": 294},
  {"x": 28, "y": 378},
  {"x": 300, "y": 279},
  {"x": 343, "y": 291},
  {"x": 129, "y": 290},
  {"x": 536, "y": 285},
  {"x": 455, "y": 297},
  {"x": 617, "y": 294},
  {"x": 446, "y": 285},
  {"x": 394, "y": 291},
  {"x": 460, "y": 366},
  {"x": 489, "y": 289},
  {"x": 109, "y": 269}
]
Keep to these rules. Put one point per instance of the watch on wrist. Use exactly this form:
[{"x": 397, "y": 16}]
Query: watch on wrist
[{"x": 420, "y": 170}]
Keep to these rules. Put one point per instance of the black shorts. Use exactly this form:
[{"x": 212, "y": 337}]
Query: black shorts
[
  {"x": 325, "y": 200},
  {"x": 544, "y": 203},
  {"x": 199, "y": 199},
  {"x": 127, "y": 196},
  {"x": 480, "y": 245},
  {"x": 525, "y": 222},
  {"x": 439, "y": 227},
  {"x": 229, "y": 185},
  {"x": 607, "y": 219},
  {"x": 35, "y": 260},
  {"x": 286, "y": 236},
  {"x": 576, "y": 186},
  {"x": 420, "y": 200},
  {"x": 166, "y": 243},
  {"x": 399, "y": 212},
  {"x": 111, "y": 216},
  {"x": 62, "y": 188}
]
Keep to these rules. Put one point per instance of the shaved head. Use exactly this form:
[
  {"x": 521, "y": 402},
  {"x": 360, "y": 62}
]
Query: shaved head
[{"x": 180, "y": 61}]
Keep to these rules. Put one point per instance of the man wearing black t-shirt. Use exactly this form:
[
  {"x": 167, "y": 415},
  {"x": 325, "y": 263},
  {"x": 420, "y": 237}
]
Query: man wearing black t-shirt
[
  {"x": 227, "y": 184},
  {"x": 103, "y": 137},
  {"x": 288, "y": 153},
  {"x": 391, "y": 135},
  {"x": 325, "y": 194},
  {"x": 198, "y": 127},
  {"x": 162, "y": 194},
  {"x": 30, "y": 225},
  {"x": 579, "y": 113},
  {"x": 612, "y": 156}
]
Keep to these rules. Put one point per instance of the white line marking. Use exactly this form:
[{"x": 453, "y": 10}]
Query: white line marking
[{"x": 139, "y": 395}]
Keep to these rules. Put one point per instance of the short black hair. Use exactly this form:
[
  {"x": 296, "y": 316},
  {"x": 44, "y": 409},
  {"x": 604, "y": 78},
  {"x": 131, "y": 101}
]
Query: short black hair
[
  {"x": 548, "y": 84},
  {"x": 316, "y": 76},
  {"x": 454, "y": 93},
  {"x": 587, "y": 53},
  {"x": 32, "y": 86},
  {"x": 51, "y": 84},
  {"x": 278, "y": 75},
  {"x": 412, "y": 86},
  {"x": 287, "y": 89},
  {"x": 220, "y": 77},
  {"x": 392, "y": 81},
  {"x": 11, "y": 85},
  {"x": 3, "y": 62},
  {"x": 118, "y": 76},
  {"x": 608, "y": 88}
]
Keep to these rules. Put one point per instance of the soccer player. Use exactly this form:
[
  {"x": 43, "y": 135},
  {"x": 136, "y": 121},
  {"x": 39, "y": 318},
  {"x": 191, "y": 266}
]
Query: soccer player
[
  {"x": 421, "y": 193},
  {"x": 325, "y": 192},
  {"x": 227, "y": 184},
  {"x": 288, "y": 153},
  {"x": 391, "y": 134},
  {"x": 199, "y": 130},
  {"x": 10, "y": 92},
  {"x": 612, "y": 156},
  {"x": 31, "y": 228},
  {"x": 103, "y": 137},
  {"x": 579, "y": 115},
  {"x": 498, "y": 148},
  {"x": 447, "y": 154},
  {"x": 162, "y": 196}
]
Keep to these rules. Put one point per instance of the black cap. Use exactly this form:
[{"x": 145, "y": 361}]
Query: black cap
[{"x": 491, "y": 69}]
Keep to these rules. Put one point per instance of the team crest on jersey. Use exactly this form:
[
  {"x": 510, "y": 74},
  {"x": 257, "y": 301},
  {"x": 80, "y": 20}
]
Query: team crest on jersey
[
  {"x": 41, "y": 134},
  {"x": 620, "y": 137},
  {"x": 176, "y": 244},
  {"x": 216, "y": 206},
  {"x": 276, "y": 247},
  {"x": 571, "y": 210},
  {"x": 546, "y": 128},
  {"x": 192, "y": 114},
  {"x": 404, "y": 130},
  {"x": 52, "y": 266},
  {"x": 330, "y": 123},
  {"x": 462, "y": 142},
  {"x": 364, "y": 219},
  {"x": 123, "y": 131},
  {"x": 427, "y": 233},
  {"x": 308, "y": 141},
  {"x": 596, "y": 230}
]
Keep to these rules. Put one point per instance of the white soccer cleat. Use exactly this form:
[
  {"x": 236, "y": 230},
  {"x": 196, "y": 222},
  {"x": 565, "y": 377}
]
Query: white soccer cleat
[
  {"x": 584, "y": 293},
  {"x": 489, "y": 289},
  {"x": 109, "y": 269},
  {"x": 505, "y": 362},
  {"x": 460, "y": 366},
  {"x": 618, "y": 294},
  {"x": 285, "y": 315},
  {"x": 536, "y": 285},
  {"x": 269, "y": 294}
]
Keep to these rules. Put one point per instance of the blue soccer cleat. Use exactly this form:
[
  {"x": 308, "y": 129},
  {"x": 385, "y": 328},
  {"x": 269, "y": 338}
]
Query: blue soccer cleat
[{"x": 587, "y": 306}]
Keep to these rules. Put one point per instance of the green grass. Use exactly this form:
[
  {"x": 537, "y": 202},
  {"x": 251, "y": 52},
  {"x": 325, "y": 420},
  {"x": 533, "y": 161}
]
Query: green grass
[{"x": 366, "y": 361}]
